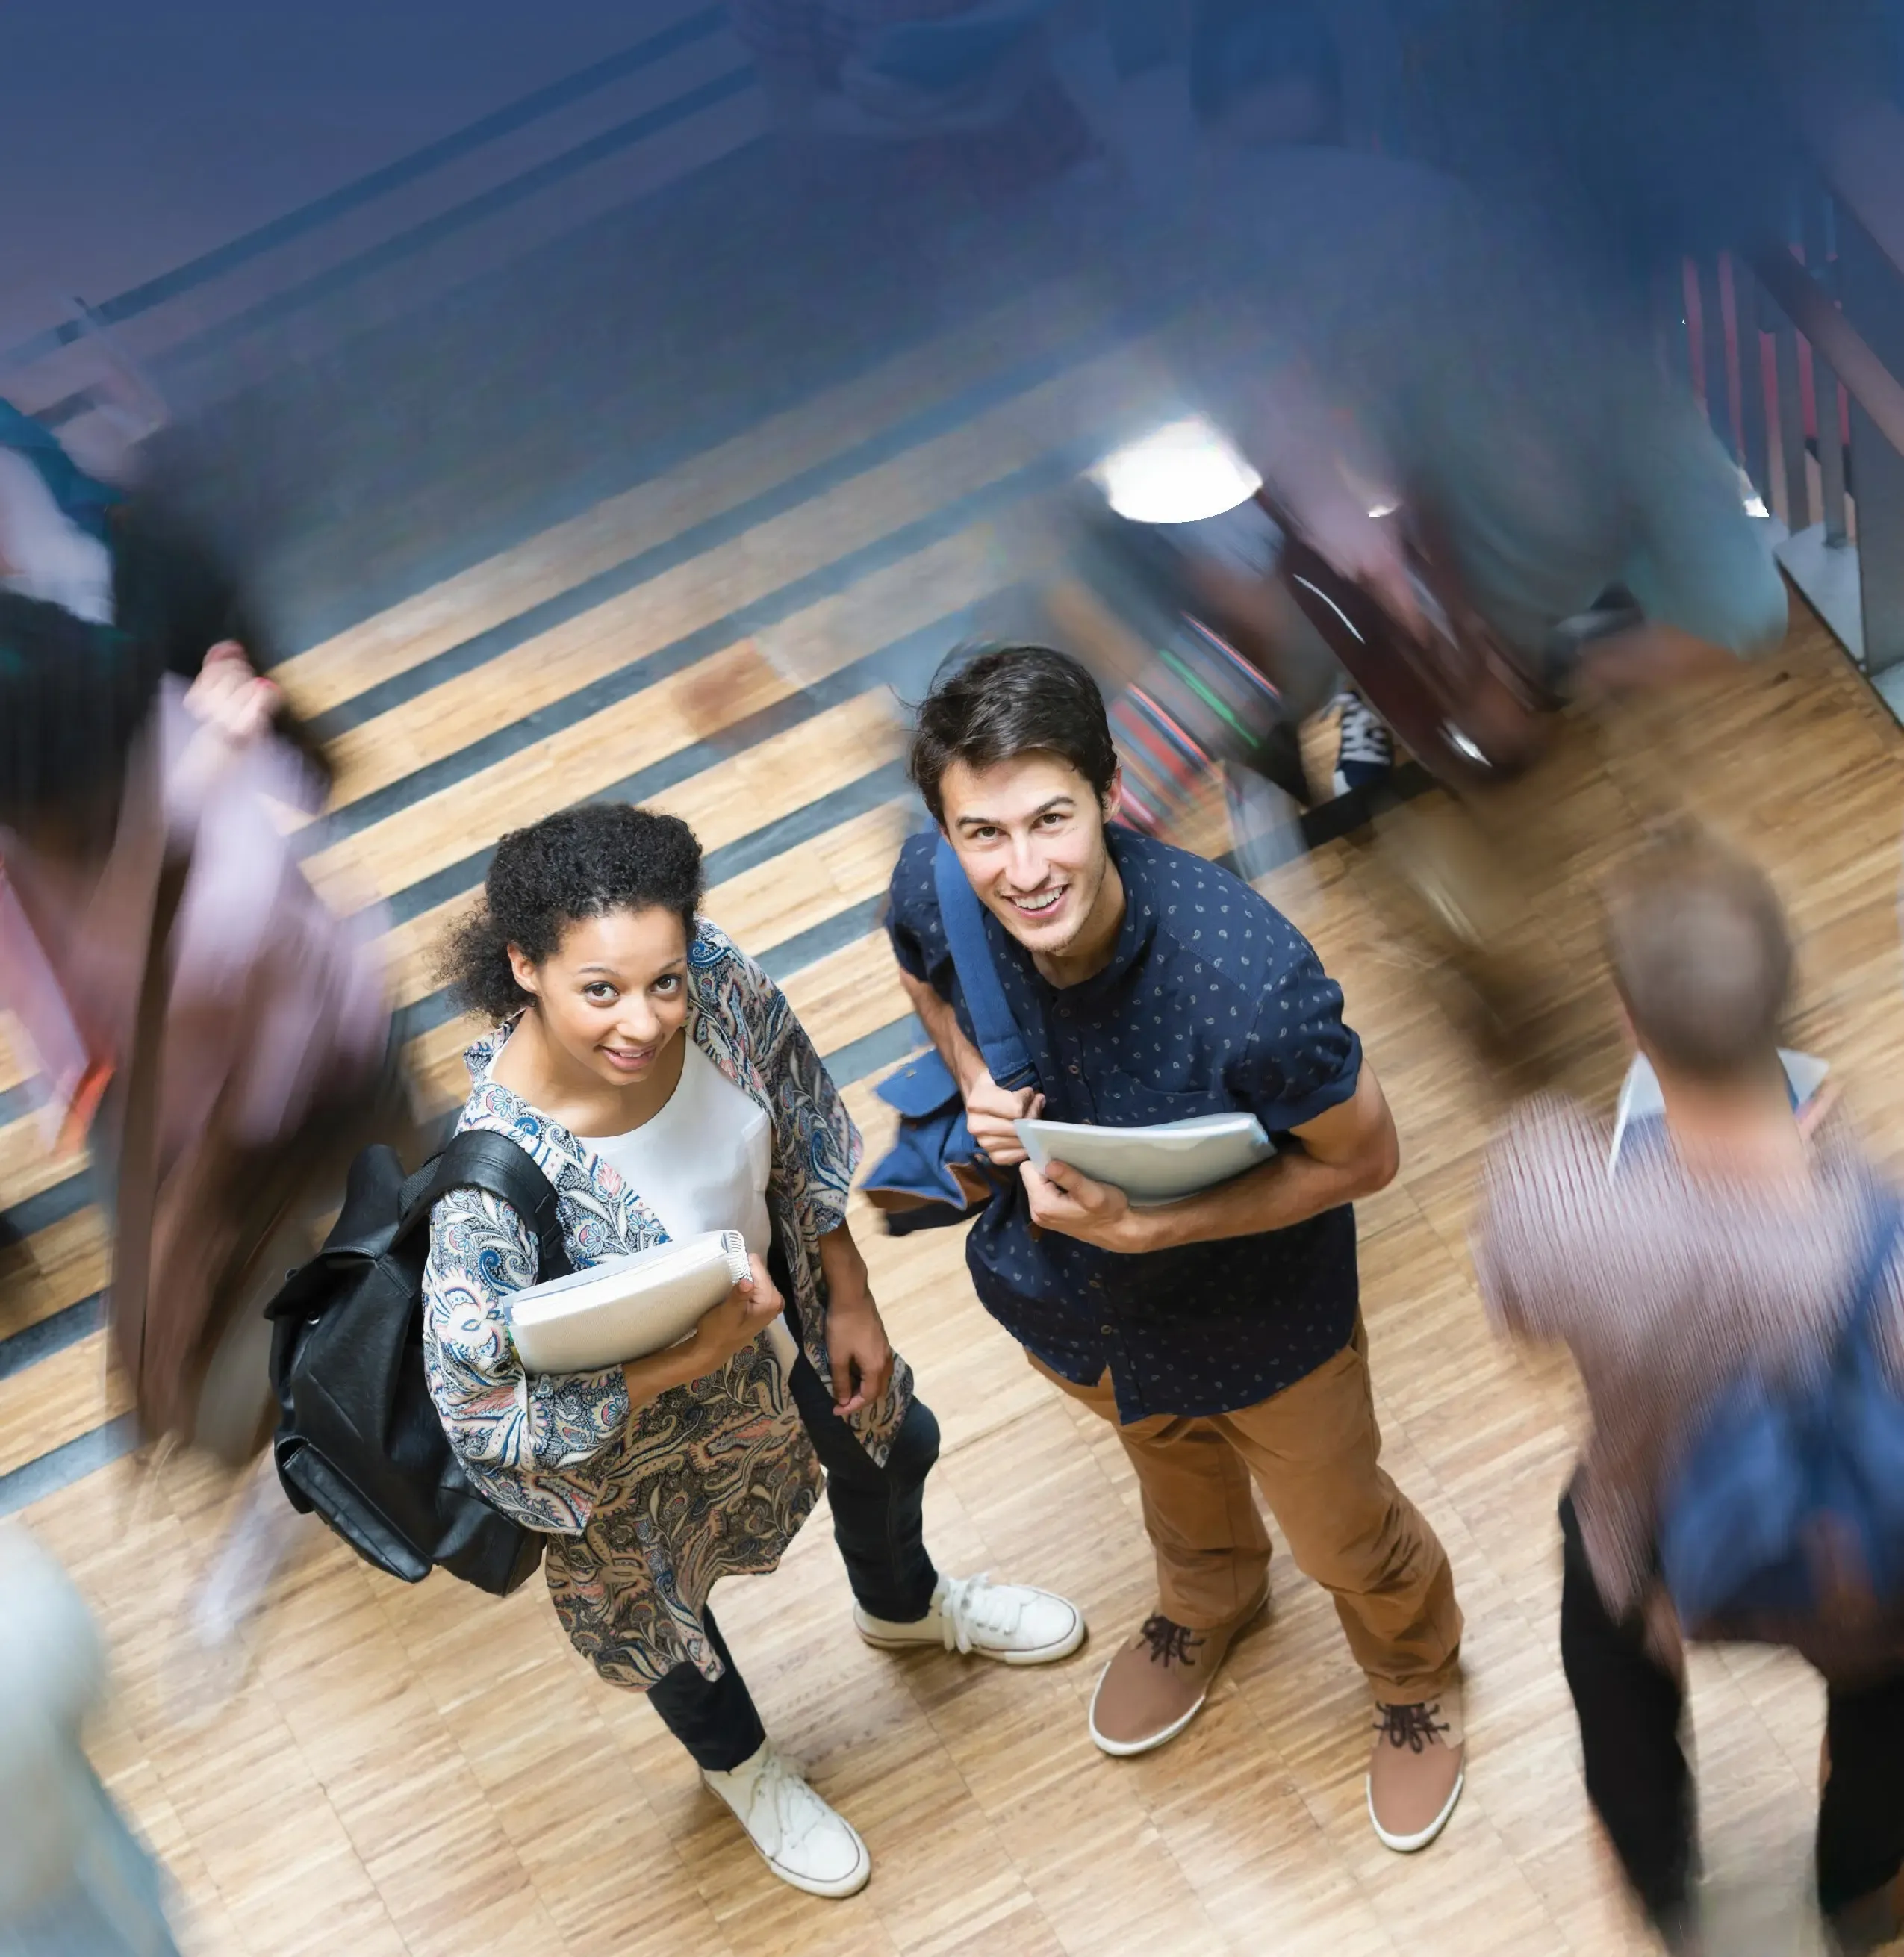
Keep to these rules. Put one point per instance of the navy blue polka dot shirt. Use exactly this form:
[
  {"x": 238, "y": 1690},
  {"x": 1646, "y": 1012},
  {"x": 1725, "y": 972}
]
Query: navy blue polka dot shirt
[{"x": 1213, "y": 1003}]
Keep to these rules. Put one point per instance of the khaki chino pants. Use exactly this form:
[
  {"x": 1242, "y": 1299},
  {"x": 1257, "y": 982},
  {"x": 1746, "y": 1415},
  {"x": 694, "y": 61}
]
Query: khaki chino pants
[{"x": 1314, "y": 1450}]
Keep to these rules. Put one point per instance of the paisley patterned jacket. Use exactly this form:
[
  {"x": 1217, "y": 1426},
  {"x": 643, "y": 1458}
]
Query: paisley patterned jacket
[{"x": 710, "y": 1479}]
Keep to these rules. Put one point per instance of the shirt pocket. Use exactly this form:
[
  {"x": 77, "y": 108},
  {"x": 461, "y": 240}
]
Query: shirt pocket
[{"x": 1124, "y": 1100}]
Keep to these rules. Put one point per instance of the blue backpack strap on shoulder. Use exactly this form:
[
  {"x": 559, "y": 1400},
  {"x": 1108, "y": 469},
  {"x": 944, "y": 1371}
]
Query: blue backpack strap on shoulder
[
  {"x": 963, "y": 917},
  {"x": 934, "y": 1173},
  {"x": 1886, "y": 1220}
]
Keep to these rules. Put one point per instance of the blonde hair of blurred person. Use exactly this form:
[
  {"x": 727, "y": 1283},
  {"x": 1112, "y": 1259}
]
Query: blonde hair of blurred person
[{"x": 1702, "y": 958}]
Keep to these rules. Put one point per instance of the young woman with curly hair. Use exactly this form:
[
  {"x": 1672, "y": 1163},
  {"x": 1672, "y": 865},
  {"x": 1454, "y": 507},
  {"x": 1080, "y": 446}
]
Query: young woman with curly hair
[{"x": 656, "y": 1075}]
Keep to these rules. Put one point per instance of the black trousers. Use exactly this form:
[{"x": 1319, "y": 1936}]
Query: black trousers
[
  {"x": 878, "y": 1524},
  {"x": 1631, "y": 1710}
]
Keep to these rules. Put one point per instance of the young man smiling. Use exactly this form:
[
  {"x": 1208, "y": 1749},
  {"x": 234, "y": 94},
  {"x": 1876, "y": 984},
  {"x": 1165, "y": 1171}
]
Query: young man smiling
[{"x": 1220, "y": 1334}]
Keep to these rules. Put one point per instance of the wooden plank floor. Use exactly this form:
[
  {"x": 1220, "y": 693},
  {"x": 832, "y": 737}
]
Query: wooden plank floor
[{"x": 418, "y": 1771}]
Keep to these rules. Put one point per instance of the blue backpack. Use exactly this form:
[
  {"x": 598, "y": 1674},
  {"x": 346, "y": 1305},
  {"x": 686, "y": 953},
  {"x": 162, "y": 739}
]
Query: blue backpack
[
  {"x": 934, "y": 1174},
  {"x": 1790, "y": 1505}
]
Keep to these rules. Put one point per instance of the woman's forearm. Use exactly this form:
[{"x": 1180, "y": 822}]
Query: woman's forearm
[
  {"x": 843, "y": 1268},
  {"x": 648, "y": 1379}
]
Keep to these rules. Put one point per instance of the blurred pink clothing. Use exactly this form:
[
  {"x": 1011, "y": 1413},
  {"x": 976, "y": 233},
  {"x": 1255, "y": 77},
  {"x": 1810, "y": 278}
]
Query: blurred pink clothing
[
  {"x": 277, "y": 1021},
  {"x": 273, "y": 997}
]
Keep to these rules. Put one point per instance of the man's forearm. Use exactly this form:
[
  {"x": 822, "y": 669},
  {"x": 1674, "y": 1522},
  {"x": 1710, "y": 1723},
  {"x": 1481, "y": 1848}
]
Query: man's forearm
[
  {"x": 1288, "y": 1190},
  {"x": 965, "y": 1063}
]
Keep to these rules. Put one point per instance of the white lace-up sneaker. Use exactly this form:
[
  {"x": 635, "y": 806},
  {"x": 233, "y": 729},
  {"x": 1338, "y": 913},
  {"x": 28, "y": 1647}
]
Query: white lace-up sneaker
[
  {"x": 800, "y": 1838},
  {"x": 1366, "y": 750},
  {"x": 1011, "y": 1622}
]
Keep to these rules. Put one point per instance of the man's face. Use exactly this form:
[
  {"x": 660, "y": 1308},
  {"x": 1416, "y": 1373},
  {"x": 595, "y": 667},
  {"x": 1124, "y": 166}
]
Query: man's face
[{"x": 1029, "y": 834}]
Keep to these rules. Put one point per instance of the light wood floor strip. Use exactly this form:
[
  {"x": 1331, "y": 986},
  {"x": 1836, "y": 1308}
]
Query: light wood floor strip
[
  {"x": 791, "y": 894},
  {"x": 53, "y": 1268},
  {"x": 26, "y": 1166},
  {"x": 617, "y": 636},
  {"x": 504, "y": 587},
  {"x": 720, "y": 804},
  {"x": 852, "y": 993},
  {"x": 715, "y": 583},
  {"x": 67, "y": 1394}
]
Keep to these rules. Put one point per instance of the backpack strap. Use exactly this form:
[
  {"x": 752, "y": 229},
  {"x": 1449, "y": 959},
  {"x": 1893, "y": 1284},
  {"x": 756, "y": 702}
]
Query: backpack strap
[
  {"x": 481, "y": 1159},
  {"x": 1001, "y": 1044}
]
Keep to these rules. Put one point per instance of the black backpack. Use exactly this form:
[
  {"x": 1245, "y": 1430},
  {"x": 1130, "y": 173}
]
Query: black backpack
[{"x": 360, "y": 1441}]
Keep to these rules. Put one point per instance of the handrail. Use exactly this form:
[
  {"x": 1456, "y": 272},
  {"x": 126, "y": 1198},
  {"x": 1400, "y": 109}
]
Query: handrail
[
  {"x": 366, "y": 189},
  {"x": 1844, "y": 349},
  {"x": 1862, "y": 156}
]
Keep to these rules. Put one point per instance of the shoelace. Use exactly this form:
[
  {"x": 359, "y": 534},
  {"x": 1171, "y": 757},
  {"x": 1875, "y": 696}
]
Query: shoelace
[
  {"x": 1170, "y": 1641},
  {"x": 1414, "y": 1727},
  {"x": 797, "y": 1809},
  {"x": 973, "y": 1604},
  {"x": 1360, "y": 735}
]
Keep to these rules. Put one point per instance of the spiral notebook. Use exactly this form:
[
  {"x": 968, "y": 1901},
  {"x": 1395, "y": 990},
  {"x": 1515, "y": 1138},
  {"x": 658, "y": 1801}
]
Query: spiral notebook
[{"x": 625, "y": 1308}]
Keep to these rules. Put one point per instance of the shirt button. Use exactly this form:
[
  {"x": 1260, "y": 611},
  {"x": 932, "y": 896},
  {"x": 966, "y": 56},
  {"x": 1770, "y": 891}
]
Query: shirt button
[
  {"x": 1073, "y": 1067},
  {"x": 1106, "y": 1330},
  {"x": 1097, "y": 1284}
]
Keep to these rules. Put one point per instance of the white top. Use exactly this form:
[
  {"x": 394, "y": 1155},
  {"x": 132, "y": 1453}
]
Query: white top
[{"x": 701, "y": 1163}]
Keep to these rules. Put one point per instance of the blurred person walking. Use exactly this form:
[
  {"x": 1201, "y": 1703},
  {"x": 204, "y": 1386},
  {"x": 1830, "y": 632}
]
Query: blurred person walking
[
  {"x": 1739, "y": 1245},
  {"x": 656, "y": 1076},
  {"x": 195, "y": 1012},
  {"x": 75, "y": 1880},
  {"x": 1421, "y": 384},
  {"x": 129, "y": 559}
]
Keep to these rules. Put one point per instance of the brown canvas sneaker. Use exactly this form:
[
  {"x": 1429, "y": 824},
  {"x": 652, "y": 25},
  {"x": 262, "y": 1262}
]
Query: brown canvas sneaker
[
  {"x": 1416, "y": 1772},
  {"x": 1157, "y": 1682}
]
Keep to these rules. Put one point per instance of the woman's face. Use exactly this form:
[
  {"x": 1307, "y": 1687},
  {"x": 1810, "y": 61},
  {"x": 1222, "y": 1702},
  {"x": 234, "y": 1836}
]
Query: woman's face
[{"x": 614, "y": 994}]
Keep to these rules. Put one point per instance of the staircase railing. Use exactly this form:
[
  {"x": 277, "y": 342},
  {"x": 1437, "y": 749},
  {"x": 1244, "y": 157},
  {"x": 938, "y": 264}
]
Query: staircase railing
[
  {"x": 141, "y": 336},
  {"x": 1797, "y": 354}
]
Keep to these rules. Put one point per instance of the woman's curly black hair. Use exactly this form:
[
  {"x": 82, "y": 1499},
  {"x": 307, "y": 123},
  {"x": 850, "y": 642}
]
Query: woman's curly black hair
[{"x": 583, "y": 862}]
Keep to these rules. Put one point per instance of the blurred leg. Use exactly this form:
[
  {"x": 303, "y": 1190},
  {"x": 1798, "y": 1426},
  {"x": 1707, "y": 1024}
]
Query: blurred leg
[
  {"x": 1861, "y": 1812},
  {"x": 1630, "y": 1707}
]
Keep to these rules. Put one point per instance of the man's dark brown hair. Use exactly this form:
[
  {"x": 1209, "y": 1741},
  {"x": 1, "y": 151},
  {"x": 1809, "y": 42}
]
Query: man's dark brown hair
[
  {"x": 1702, "y": 954},
  {"x": 992, "y": 704}
]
